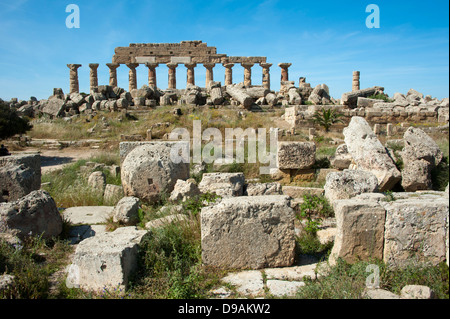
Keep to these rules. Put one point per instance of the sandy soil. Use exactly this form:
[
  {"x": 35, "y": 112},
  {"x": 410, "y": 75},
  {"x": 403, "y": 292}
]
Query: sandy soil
[{"x": 56, "y": 159}]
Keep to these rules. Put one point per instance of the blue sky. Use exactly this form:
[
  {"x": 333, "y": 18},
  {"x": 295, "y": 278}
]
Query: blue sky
[{"x": 324, "y": 40}]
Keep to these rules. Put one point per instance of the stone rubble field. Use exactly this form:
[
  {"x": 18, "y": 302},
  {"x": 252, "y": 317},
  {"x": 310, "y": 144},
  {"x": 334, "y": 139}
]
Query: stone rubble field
[{"x": 252, "y": 227}]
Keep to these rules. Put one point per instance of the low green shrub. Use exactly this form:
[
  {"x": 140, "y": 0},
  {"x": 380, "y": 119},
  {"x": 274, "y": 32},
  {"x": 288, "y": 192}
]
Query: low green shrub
[
  {"x": 348, "y": 281},
  {"x": 31, "y": 264},
  {"x": 170, "y": 263}
]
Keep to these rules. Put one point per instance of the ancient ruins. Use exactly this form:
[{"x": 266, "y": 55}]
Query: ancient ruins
[{"x": 252, "y": 227}]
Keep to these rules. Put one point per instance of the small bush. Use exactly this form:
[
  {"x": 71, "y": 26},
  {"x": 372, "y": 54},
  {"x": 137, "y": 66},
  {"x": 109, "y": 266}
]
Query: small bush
[
  {"x": 381, "y": 96},
  {"x": 170, "y": 261},
  {"x": 309, "y": 244}
]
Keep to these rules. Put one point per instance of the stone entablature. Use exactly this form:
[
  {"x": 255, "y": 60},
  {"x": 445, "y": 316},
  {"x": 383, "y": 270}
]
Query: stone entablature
[{"x": 184, "y": 52}]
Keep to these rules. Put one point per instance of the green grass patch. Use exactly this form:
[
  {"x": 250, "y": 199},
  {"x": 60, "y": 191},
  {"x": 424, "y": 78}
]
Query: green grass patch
[
  {"x": 31, "y": 264},
  {"x": 348, "y": 281}
]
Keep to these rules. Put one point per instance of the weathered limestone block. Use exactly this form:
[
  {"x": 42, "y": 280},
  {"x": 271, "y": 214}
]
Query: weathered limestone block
[
  {"x": 294, "y": 97},
  {"x": 184, "y": 190},
  {"x": 126, "y": 211},
  {"x": 413, "y": 95},
  {"x": 341, "y": 158},
  {"x": 106, "y": 260},
  {"x": 418, "y": 145},
  {"x": 77, "y": 98},
  {"x": 416, "y": 175},
  {"x": 148, "y": 171},
  {"x": 223, "y": 184},
  {"x": 296, "y": 155},
  {"x": 239, "y": 93},
  {"x": 290, "y": 115},
  {"x": 192, "y": 94},
  {"x": 53, "y": 107},
  {"x": 97, "y": 181},
  {"x": 443, "y": 115},
  {"x": 112, "y": 193},
  {"x": 299, "y": 192},
  {"x": 19, "y": 175},
  {"x": 416, "y": 228},
  {"x": 366, "y": 102},
  {"x": 258, "y": 189},
  {"x": 216, "y": 93},
  {"x": 369, "y": 154},
  {"x": 420, "y": 155},
  {"x": 249, "y": 232},
  {"x": 417, "y": 292},
  {"x": 320, "y": 95},
  {"x": 88, "y": 215},
  {"x": 257, "y": 92},
  {"x": 349, "y": 183},
  {"x": 271, "y": 99},
  {"x": 32, "y": 215},
  {"x": 351, "y": 98},
  {"x": 360, "y": 230}
]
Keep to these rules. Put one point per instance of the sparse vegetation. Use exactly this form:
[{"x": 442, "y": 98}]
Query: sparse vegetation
[
  {"x": 381, "y": 96},
  {"x": 32, "y": 264},
  {"x": 348, "y": 281}
]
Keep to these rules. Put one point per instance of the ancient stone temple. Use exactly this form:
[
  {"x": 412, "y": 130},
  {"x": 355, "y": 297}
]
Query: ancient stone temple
[
  {"x": 190, "y": 54},
  {"x": 185, "y": 52}
]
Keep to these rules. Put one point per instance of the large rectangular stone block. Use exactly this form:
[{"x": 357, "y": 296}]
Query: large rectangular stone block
[
  {"x": 416, "y": 228},
  {"x": 106, "y": 260},
  {"x": 223, "y": 184},
  {"x": 360, "y": 230},
  {"x": 19, "y": 176},
  {"x": 296, "y": 155},
  {"x": 249, "y": 232}
]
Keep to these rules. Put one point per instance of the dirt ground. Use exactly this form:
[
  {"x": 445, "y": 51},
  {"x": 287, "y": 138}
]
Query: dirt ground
[{"x": 56, "y": 159}]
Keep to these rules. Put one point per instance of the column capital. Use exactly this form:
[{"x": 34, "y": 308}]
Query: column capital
[
  {"x": 112, "y": 65},
  {"x": 73, "y": 66},
  {"x": 209, "y": 65},
  {"x": 190, "y": 65},
  {"x": 247, "y": 64},
  {"x": 284, "y": 65},
  {"x": 93, "y": 65},
  {"x": 265, "y": 65},
  {"x": 172, "y": 65},
  {"x": 132, "y": 65},
  {"x": 151, "y": 65},
  {"x": 228, "y": 65}
]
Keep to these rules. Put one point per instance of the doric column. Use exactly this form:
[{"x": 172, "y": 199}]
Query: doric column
[
  {"x": 284, "y": 71},
  {"x": 247, "y": 73},
  {"x": 152, "y": 74},
  {"x": 74, "y": 85},
  {"x": 172, "y": 75},
  {"x": 266, "y": 75},
  {"x": 93, "y": 79},
  {"x": 228, "y": 73},
  {"x": 190, "y": 75},
  {"x": 209, "y": 73},
  {"x": 132, "y": 78},
  {"x": 355, "y": 81},
  {"x": 113, "y": 73}
]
